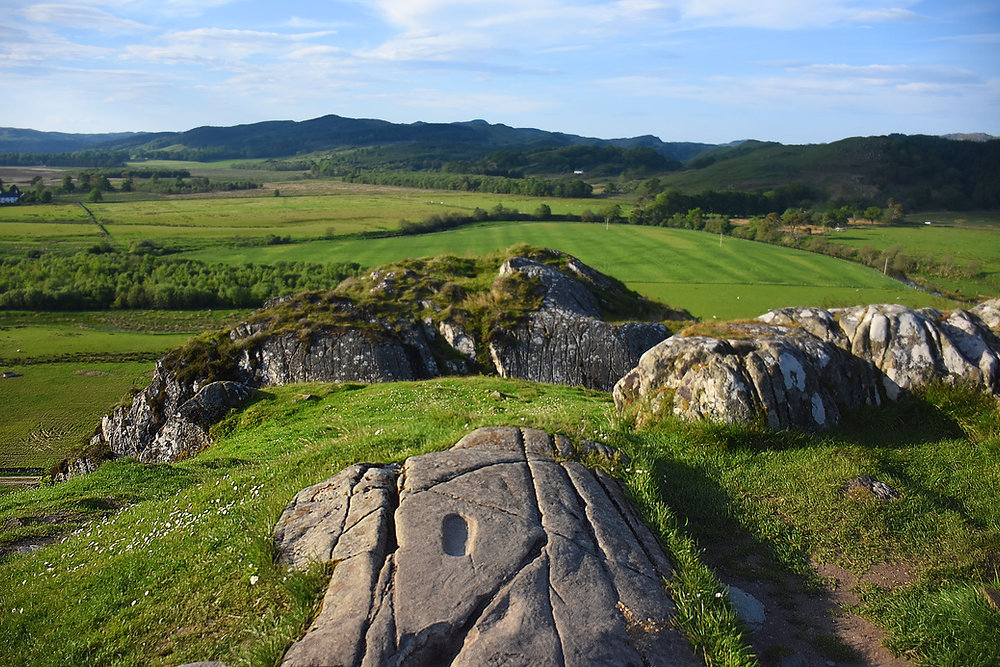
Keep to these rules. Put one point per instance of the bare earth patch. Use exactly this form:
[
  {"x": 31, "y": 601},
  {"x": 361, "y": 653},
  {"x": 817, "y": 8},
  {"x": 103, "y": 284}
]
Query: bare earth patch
[{"x": 804, "y": 626}]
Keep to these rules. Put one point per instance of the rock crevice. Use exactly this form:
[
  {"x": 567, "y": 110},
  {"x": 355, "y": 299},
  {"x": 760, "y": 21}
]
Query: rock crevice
[{"x": 536, "y": 561}]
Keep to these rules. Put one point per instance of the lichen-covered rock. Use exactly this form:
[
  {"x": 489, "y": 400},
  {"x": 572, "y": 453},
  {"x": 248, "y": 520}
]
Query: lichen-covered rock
[
  {"x": 348, "y": 355},
  {"x": 186, "y": 430},
  {"x": 802, "y": 366},
  {"x": 782, "y": 375},
  {"x": 566, "y": 342},
  {"x": 489, "y": 553},
  {"x": 329, "y": 337},
  {"x": 910, "y": 347},
  {"x": 128, "y": 430}
]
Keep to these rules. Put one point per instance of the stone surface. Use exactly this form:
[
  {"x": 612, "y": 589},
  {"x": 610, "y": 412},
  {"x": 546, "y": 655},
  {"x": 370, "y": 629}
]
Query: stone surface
[
  {"x": 801, "y": 367},
  {"x": 186, "y": 430},
  {"x": 566, "y": 342},
  {"x": 872, "y": 486},
  {"x": 491, "y": 552},
  {"x": 784, "y": 376},
  {"x": 749, "y": 609}
]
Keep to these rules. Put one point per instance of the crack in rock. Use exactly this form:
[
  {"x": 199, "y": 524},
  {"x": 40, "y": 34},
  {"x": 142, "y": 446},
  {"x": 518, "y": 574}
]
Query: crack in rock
[{"x": 454, "y": 560}]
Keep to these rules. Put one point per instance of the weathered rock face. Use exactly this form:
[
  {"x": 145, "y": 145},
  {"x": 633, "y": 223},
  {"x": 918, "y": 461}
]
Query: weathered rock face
[
  {"x": 910, "y": 347},
  {"x": 802, "y": 366},
  {"x": 169, "y": 419},
  {"x": 489, "y": 553},
  {"x": 186, "y": 430},
  {"x": 351, "y": 355},
  {"x": 566, "y": 342},
  {"x": 563, "y": 343},
  {"x": 783, "y": 375}
]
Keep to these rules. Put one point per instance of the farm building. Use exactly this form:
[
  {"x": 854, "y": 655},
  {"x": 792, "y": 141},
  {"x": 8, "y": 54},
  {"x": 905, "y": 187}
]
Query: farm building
[{"x": 12, "y": 196}]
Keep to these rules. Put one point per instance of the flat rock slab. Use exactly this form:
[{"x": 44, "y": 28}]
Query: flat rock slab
[{"x": 492, "y": 552}]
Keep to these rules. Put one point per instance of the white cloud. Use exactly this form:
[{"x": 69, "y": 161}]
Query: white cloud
[
  {"x": 885, "y": 15},
  {"x": 79, "y": 17},
  {"x": 219, "y": 47}
]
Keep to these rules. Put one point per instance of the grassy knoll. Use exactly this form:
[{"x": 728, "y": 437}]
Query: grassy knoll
[
  {"x": 954, "y": 258},
  {"x": 51, "y": 408},
  {"x": 682, "y": 268},
  {"x": 173, "y": 563}
]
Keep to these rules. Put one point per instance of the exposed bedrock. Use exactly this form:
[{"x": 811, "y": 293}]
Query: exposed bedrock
[
  {"x": 565, "y": 341},
  {"x": 801, "y": 367},
  {"x": 491, "y": 552}
]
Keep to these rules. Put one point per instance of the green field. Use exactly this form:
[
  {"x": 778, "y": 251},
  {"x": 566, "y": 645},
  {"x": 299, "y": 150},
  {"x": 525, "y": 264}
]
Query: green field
[
  {"x": 32, "y": 337},
  {"x": 683, "y": 268},
  {"x": 950, "y": 246},
  {"x": 51, "y": 408}
]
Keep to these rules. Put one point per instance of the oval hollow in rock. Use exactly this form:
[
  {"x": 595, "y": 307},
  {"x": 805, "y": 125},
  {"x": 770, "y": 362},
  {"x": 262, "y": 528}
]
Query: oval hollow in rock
[{"x": 454, "y": 535}]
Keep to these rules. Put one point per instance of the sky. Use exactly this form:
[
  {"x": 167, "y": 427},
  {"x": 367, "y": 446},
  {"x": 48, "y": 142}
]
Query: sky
[{"x": 713, "y": 71}]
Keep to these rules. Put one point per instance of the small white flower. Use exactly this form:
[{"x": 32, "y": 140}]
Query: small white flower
[{"x": 253, "y": 579}]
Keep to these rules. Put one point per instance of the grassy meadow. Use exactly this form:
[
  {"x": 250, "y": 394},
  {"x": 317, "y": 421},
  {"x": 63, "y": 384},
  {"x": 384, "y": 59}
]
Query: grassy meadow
[
  {"x": 683, "y": 268},
  {"x": 173, "y": 563},
  {"x": 160, "y": 565},
  {"x": 71, "y": 367},
  {"x": 954, "y": 248}
]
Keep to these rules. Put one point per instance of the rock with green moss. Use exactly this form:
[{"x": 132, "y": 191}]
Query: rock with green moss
[
  {"x": 536, "y": 316},
  {"x": 566, "y": 341}
]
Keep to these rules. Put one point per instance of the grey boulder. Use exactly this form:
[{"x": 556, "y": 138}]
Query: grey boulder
[{"x": 492, "y": 552}]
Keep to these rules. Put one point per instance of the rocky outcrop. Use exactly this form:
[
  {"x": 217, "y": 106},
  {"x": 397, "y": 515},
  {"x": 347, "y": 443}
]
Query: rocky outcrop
[
  {"x": 801, "y": 367},
  {"x": 566, "y": 342},
  {"x": 782, "y": 375},
  {"x": 329, "y": 337},
  {"x": 348, "y": 355},
  {"x": 492, "y": 552},
  {"x": 186, "y": 430}
]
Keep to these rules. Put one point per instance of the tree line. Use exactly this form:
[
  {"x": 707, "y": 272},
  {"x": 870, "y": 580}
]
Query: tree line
[
  {"x": 533, "y": 187},
  {"x": 104, "y": 279}
]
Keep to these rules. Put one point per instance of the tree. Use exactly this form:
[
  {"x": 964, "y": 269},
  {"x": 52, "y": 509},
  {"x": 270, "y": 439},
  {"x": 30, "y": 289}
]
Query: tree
[
  {"x": 67, "y": 184},
  {"x": 543, "y": 212},
  {"x": 95, "y": 196},
  {"x": 873, "y": 213},
  {"x": 893, "y": 213}
]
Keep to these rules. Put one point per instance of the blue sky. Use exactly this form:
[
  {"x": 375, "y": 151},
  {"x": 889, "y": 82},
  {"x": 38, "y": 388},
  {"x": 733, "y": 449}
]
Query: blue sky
[{"x": 795, "y": 71}]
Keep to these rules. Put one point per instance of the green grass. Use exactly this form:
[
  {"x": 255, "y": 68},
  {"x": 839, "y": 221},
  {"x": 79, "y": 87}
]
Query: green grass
[
  {"x": 160, "y": 564},
  {"x": 683, "y": 268},
  {"x": 52, "y": 408},
  {"x": 74, "y": 366},
  {"x": 33, "y": 337},
  {"x": 195, "y": 532},
  {"x": 953, "y": 248}
]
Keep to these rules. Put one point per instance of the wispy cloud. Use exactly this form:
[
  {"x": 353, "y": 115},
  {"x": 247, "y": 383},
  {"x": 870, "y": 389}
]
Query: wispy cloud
[{"x": 80, "y": 17}]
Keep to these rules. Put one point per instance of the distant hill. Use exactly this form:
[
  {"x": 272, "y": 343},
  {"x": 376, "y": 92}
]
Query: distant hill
[
  {"x": 921, "y": 172},
  {"x": 14, "y": 140},
  {"x": 277, "y": 139},
  {"x": 958, "y": 171}
]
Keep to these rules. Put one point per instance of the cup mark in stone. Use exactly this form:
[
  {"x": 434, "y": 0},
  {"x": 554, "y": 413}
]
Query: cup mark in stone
[{"x": 454, "y": 535}]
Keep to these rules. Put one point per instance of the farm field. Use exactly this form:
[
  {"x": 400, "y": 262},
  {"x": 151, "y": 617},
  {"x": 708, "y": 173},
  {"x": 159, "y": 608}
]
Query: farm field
[
  {"x": 683, "y": 268},
  {"x": 954, "y": 246},
  {"x": 52, "y": 407},
  {"x": 72, "y": 367},
  {"x": 33, "y": 337}
]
